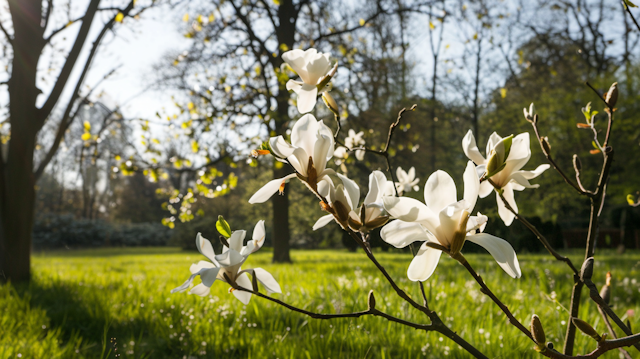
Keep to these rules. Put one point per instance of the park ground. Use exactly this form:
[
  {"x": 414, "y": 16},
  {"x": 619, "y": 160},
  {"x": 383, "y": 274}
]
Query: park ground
[{"x": 101, "y": 303}]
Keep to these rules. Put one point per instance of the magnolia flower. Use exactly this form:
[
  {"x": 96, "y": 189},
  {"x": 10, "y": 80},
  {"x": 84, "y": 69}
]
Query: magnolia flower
[
  {"x": 355, "y": 140},
  {"x": 229, "y": 262},
  {"x": 510, "y": 177},
  {"x": 368, "y": 216},
  {"x": 445, "y": 222},
  {"x": 311, "y": 66},
  {"x": 311, "y": 147},
  {"x": 406, "y": 181}
]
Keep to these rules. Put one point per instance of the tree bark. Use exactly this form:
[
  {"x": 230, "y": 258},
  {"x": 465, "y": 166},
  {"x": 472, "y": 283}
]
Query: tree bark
[{"x": 18, "y": 193}]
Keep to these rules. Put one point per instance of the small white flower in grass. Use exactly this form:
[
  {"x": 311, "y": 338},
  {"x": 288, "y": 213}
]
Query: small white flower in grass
[
  {"x": 344, "y": 198},
  {"x": 312, "y": 67},
  {"x": 443, "y": 221},
  {"x": 312, "y": 145},
  {"x": 229, "y": 262},
  {"x": 407, "y": 181},
  {"x": 510, "y": 177}
]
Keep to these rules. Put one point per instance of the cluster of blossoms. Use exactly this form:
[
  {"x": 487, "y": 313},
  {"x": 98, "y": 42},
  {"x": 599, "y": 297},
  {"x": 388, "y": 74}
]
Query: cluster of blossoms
[{"x": 442, "y": 223}]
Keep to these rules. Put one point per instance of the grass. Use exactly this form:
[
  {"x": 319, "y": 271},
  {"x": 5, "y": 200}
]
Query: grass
[{"x": 108, "y": 302}]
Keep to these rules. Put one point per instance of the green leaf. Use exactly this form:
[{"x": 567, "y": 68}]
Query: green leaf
[{"x": 223, "y": 227}]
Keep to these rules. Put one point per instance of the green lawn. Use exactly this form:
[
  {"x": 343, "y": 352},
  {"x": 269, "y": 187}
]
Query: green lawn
[{"x": 88, "y": 303}]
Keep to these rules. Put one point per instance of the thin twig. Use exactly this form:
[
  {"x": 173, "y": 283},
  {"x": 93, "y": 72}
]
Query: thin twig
[
  {"x": 626, "y": 7},
  {"x": 612, "y": 333},
  {"x": 535, "y": 231}
]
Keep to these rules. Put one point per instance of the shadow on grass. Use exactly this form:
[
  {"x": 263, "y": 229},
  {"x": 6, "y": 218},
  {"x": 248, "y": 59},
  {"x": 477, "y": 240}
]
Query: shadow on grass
[{"x": 76, "y": 316}]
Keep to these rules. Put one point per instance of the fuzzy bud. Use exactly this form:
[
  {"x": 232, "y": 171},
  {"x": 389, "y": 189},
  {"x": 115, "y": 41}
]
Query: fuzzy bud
[
  {"x": 587, "y": 269},
  {"x": 586, "y": 328},
  {"x": 331, "y": 103},
  {"x": 538, "y": 332},
  {"x": 372, "y": 300},
  {"x": 605, "y": 291},
  {"x": 612, "y": 95},
  {"x": 530, "y": 114}
]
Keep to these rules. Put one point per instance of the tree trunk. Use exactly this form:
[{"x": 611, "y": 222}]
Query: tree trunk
[{"x": 18, "y": 192}]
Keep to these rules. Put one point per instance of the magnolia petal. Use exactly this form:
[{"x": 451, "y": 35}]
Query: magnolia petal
[
  {"x": 196, "y": 267},
  {"x": 295, "y": 59},
  {"x": 477, "y": 222},
  {"x": 201, "y": 290},
  {"x": 307, "y": 98},
  {"x": 259, "y": 235},
  {"x": 269, "y": 189},
  {"x": 424, "y": 263},
  {"x": 304, "y": 133},
  {"x": 501, "y": 251},
  {"x": 470, "y": 149},
  {"x": 236, "y": 240},
  {"x": 294, "y": 86},
  {"x": 493, "y": 141},
  {"x": 326, "y": 188},
  {"x": 485, "y": 189},
  {"x": 506, "y": 215},
  {"x": 449, "y": 218},
  {"x": 377, "y": 181},
  {"x": 209, "y": 276},
  {"x": 204, "y": 247},
  {"x": 323, "y": 144},
  {"x": 400, "y": 233},
  {"x": 280, "y": 147},
  {"x": 360, "y": 154},
  {"x": 410, "y": 210},
  {"x": 439, "y": 191},
  {"x": 471, "y": 185},
  {"x": 244, "y": 282},
  {"x": 185, "y": 285},
  {"x": 267, "y": 280},
  {"x": 519, "y": 154},
  {"x": 230, "y": 258},
  {"x": 323, "y": 221},
  {"x": 352, "y": 189},
  {"x": 317, "y": 67}
]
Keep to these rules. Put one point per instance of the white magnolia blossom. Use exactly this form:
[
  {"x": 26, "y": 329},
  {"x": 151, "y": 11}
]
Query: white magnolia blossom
[
  {"x": 369, "y": 215},
  {"x": 312, "y": 145},
  {"x": 511, "y": 177},
  {"x": 443, "y": 221},
  {"x": 407, "y": 181},
  {"x": 311, "y": 66},
  {"x": 229, "y": 262},
  {"x": 355, "y": 140}
]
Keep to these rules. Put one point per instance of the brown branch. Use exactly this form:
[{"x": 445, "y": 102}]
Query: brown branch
[
  {"x": 69, "y": 64},
  {"x": 535, "y": 231},
  {"x": 612, "y": 333}
]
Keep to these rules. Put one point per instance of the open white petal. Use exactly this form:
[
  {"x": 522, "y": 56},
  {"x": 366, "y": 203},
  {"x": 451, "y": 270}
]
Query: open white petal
[
  {"x": 184, "y": 286},
  {"x": 410, "y": 210},
  {"x": 535, "y": 173},
  {"x": 470, "y": 149},
  {"x": 307, "y": 98},
  {"x": 506, "y": 215},
  {"x": 236, "y": 240},
  {"x": 196, "y": 267},
  {"x": 400, "y": 233},
  {"x": 323, "y": 145},
  {"x": 519, "y": 154},
  {"x": 244, "y": 282},
  {"x": 296, "y": 59},
  {"x": 471, "y": 185},
  {"x": 303, "y": 133},
  {"x": 323, "y": 221},
  {"x": 326, "y": 187},
  {"x": 230, "y": 258},
  {"x": 352, "y": 190},
  {"x": 267, "y": 280},
  {"x": 201, "y": 290},
  {"x": 493, "y": 141},
  {"x": 280, "y": 147},
  {"x": 485, "y": 189},
  {"x": 439, "y": 191},
  {"x": 477, "y": 222},
  {"x": 259, "y": 235},
  {"x": 269, "y": 190},
  {"x": 501, "y": 251},
  {"x": 377, "y": 181},
  {"x": 204, "y": 247},
  {"x": 424, "y": 263},
  {"x": 294, "y": 86},
  {"x": 317, "y": 67},
  {"x": 209, "y": 276}
]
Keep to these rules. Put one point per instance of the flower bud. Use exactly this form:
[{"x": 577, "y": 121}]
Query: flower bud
[
  {"x": 498, "y": 156},
  {"x": 331, "y": 103},
  {"x": 460, "y": 234},
  {"x": 538, "y": 332},
  {"x": 587, "y": 269},
  {"x": 612, "y": 95},
  {"x": 546, "y": 147},
  {"x": 586, "y": 328},
  {"x": 372, "y": 300},
  {"x": 529, "y": 115},
  {"x": 605, "y": 292}
]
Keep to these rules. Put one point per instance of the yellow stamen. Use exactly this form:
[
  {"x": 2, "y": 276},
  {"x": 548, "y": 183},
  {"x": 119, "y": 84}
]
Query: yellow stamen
[{"x": 281, "y": 189}]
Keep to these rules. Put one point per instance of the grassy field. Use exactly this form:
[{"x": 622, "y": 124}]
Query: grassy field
[{"x": 108, "y": 302}]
